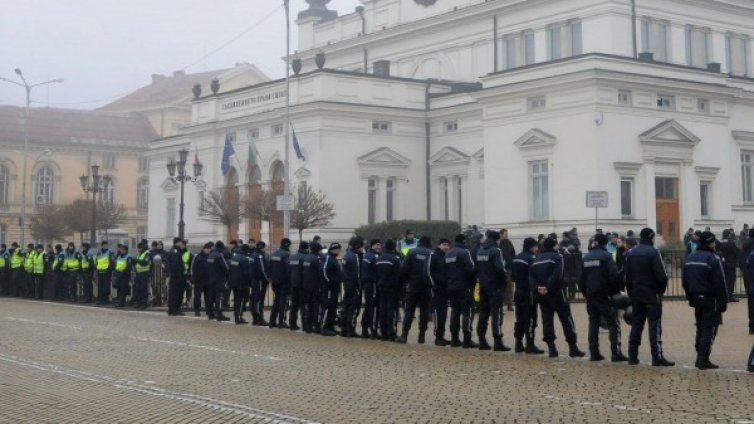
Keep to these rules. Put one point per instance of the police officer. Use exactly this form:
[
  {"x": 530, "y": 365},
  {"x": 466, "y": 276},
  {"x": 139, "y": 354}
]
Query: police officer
[
  {"x": 73, "y": 261},
  {"x": 525, "y": 299},
  {"x": 122, "y": 275},
  {"x": 4, "y": 269},
  {"x": 260, "y": 281},
  {"x": 310, "y": 289},
  {"x": 29, "y": 279},
  {"x": 39, "y": 268},
  {"x": 418, "y": 293},
  {"x": 143, "y": 269},
  {"x": 460, "y": 278},
  {"x": 730, "y": 255},
  {"x": 280, "y": 284},
  {"x": 407, "y": 243},
  {"x": 598, "y": 283},
  {"x": 546, "y": 276},
  {"x": 218, "y": 275},
  {"x": 704, "y": 284},
  {"x": 202, "y": 286},
  {"x": 177, "y": 272},
  {"x": 105, "y": 261},
  {"x": 370, "y": 316},
  {"x": 16, "y": 269},
  {"x": 296, "y": 277},
  {"x": 239, "y": 281},
  {"x": 87, "y": 272},
  {"x": 186, "y": 258},
  {"x": 646, "y": 282},
  {"x": 388, "y": 267},
  {"x": 491, "y": 272},
  {"x": 332, "y": 279},
  {"x": 435, "y": 277},
  {"x": 60, "y": 270},
  {"x": 352, "y": 286}
]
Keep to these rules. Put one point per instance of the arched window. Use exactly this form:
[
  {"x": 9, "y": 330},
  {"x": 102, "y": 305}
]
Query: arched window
[
  {"x": 142, "y": 194},
  {"x": 278, "y": 171},
  {"x": 45, "y": 186},
  {"x": 108, "y": 191},
  {"x": 4, "y": 184}
]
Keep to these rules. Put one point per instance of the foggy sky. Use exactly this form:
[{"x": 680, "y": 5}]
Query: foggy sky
[{"x": 105, "y": 49}]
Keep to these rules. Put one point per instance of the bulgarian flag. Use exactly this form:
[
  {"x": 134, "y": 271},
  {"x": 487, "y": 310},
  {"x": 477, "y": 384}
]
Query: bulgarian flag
[{"x": 251, "y": 162}]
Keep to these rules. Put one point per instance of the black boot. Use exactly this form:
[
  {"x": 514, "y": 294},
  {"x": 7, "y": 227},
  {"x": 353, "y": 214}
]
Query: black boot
[
  {"x": 574, "y": 352},
  {"x": 596, "y": 356},
  {"x": 552, "y": 351},
  {"x": 468, "y": 343},
  {"x": 455, "y": 341},
  {"x": 531, "y": 348},
  {"x": 365, "y": 333},
  {"x": 618, "y": 357},
  {"x": 705, "y": 364},
  {"x": 221, "y": 317},
  {"x": 422, "y": 337},
  {"x": 519, "y": 346},
  {"x": 483, "y": 345},
  {"x": 662, "y": 362},
  {"x": 404, "y": 337},
  {"x": 441, "y": 342},
  {"x": 500, "y": 346}
]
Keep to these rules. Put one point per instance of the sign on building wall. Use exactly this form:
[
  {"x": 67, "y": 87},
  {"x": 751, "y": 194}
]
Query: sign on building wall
[
  {"x": 285, "y": 203},
  {"x": 596, "y": 199}
]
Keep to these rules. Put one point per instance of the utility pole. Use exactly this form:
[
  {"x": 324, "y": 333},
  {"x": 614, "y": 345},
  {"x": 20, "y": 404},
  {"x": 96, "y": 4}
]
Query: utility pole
[{"x": 286, "y": 164}]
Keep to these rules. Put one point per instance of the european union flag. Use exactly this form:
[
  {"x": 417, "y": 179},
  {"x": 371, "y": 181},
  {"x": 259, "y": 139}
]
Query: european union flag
[
  {"x": 228, "y": 151},
  {"x": 296, "y": 146}
]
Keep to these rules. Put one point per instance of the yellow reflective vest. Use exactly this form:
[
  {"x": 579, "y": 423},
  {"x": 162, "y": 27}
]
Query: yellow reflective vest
[
  {"x": 103, "y": 261},
  {"x": 29, "y": 261},
  {"x": 141, "y": 258},
  {"x": 16, "y": 259},
  {"x": 39, "y": 263},
  {"x": 121, "y": 263}
]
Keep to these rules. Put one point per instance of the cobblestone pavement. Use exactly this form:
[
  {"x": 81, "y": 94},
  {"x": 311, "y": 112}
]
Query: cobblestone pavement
[{"x": 62, "y": 363}]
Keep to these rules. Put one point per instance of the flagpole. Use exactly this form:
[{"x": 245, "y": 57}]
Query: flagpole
[{"x": 286, "y": 164}]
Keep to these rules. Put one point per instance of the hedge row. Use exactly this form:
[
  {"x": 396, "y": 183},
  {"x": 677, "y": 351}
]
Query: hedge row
[{"x": 396, "y": 230}]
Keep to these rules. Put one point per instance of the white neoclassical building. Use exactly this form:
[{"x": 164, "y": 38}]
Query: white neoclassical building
[{"x": 501, "y": 113}]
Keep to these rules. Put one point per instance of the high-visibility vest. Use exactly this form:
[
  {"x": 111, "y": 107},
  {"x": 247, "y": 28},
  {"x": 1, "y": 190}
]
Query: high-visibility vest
[
  {"x": 16, "y": 259},
  {"x": 103, "y": 261},
  {"x": 29, "y": 261},
  {"x": 39, "y": 263},
  {"x": 85, "y": 258},
  {"x": 186, "y": 257},
  {"x": 141, "y": 257},
  {"x": 2, "y": 260},
  {"x": 72, "y": 263},
  {"x": 59, "y": 258},
  {"x": 121, "y": 263}
]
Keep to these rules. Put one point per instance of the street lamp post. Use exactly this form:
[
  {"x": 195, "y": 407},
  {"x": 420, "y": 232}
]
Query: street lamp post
[
  {"x": 91, "y": 184},
  {"x": 286, "y": 164},
  {"x": 28, "y": 87},
  {"x": 181, "y": 176}
]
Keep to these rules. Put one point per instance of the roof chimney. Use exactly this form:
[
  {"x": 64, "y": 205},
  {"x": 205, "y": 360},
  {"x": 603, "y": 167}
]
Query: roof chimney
[
  {"x": 381, "y": 68},
  {"x": 179, "y": 73},
  {"x": 157, "y": 78}
]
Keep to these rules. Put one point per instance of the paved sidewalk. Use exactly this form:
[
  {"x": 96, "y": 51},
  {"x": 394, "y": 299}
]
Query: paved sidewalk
[{"x": 62, "y": 363}]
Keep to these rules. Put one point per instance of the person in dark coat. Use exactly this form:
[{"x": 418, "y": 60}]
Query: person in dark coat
[
  {"x": 239, "y": 281},
  {"x": 526, "y": 301},
  {"x": 310, "y": 290},
  {"x": 389, "y": 281},
  {"x": 417, "y": 294},
  {"x": 177, "y": 282},
  {"x": 259, "y": 283},
  {"x": 296, "y": 277},
  {"x": 746, "y": 248},
  {"x": 202, "y": 286},
  {"x": 352, "y": 286},
  {"x": 332, "y": 280},
  {"x": 460, "y": 277},
  {"x": 218, "y": 277},
  {"x": 435, "y": 278},
  {"x": 370, "y": 317},
  {"x": 280, "y": 284},
  {"x": 492, "y": 276},
  {"x": 509, "y": 253},
  {"x": 730, "y": 254}
]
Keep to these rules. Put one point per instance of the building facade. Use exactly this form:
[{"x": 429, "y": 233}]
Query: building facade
[
  {"x": 500, "y": 113},
  {"x": 63, "y": 144}
]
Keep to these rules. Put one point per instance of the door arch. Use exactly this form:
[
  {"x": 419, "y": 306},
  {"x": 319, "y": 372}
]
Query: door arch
[
  {"x": 232, "y": 194},
  {"x": 255, "y": 195},
  {"x": 277, "y": 175}
]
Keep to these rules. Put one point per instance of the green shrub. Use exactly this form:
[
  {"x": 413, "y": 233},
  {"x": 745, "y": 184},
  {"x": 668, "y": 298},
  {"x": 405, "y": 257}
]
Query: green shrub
[{"x": 396, "y": 230}]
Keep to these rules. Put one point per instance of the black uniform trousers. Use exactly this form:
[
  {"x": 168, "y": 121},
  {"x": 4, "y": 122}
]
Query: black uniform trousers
[
  {"x": 439, "y": 310},
  {"x": 176, "y": 286},
  {"x": 730, "y": 279},
  {"x": 217, "y": 290},
  {"x": 309, "y": 309},
  {"x": 461, "y": 302},
  {"x": 370, "y": 318},
  {"x": 141, "y": 289},
  {"x": 750, "y": 304},
  {"x": 389, "y": 297},
  {"x": 490, "y": 307},
  {"x": 203, "y": 289},
  {"x": 351, "y": 302},
  {"x": 61, "y": 286},
  {"x": 600, "y": 309},
  {"x": 418, "y": 294},
  {"x": 103, "y": 286},
  {"x": 73, "y": 285},
  {"x": 86, "y": 286},
  {"x": 257, "y": 299},
  {"x": 240, "y": 296},
  {"x": 4, "y": 277},
  {"x": 122, "y": 284},
  {"x": 650, "y": 312},
  {"x": 526, "y": 315},
  {"x": 295, "y": 306},
  {"x": 330, "y": 293},
  {"x": 39, "y": 286},
  {"x": 279, "y": 303},
  {"x": 18, "y": 280},
  {"x": 557, "y": 303},
  {"x": 707, "y": 314}
]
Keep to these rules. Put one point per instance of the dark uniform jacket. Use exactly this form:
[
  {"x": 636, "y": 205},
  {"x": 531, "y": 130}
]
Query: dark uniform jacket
[
  {"x": 260, "y": 267},
  {"x": 415, "y": 265},
  {"x": 352, "y": 269},
  {"x": 218, "y": 268},
  {"x": 389, "y": 271},
  {"x": 175, "y": 266},
  {"x": 459, "y": 268},
  {"x": 703, "y": 275},
  {"x": 547, "y": 271},
  {"x": 490, "y": 267},
  {"x": 599, "y": 278},
  {"x": 279, "y": 267},
  {"x": 646, "y": 279},
  {"x": 368, "y": 267},
  {"x": 239, "y": 274},
  {"x": 435, "y": 273},
  {"x": 332, "y": 272},
  {"x": 200, "y": 268},
  {"x": 729, "y": 253},
  {"x": 296, "y": 268},
  {"x": 520, "y": 274},
  {"x": 311, "y": 272}
]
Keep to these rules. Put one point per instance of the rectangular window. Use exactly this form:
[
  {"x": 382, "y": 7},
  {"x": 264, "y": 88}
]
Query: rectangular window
[
  {"x": 536, "y": 103},
  {"x": 702, "y": 105},
  {"x": 372, "y": 201},
  {"x": 666, "y": 102},
  {"x": 528, "y": 40},
  {"x": 277, "y": 129},
  {"x": 143, "y": 164},
  {"x": 446, "y": 199},
  {"x": 689, "y": 46},
  {"x": 382, "y": 127},
  {"x": 645, "y": 42},
  {"x": 539, "y": 180},
  {"x": 577, "y": 46},
  {"x": 451, "y": 127},
  {"x": 170, "y": 217},
  {"x": 555, "y": 43},
  {"x": 510, "y": 52},
  {"x": 746, "y": 177},
  {"x": 745, "y": 56},
  {"x": 202, "y": 205},
  {"x": 141, "y": 233},
  {"x": 729, "y": 53},
  {"x": 665, "y": 188},
  {"x": 627, "y": 197},
  {"x": 459, "y": 198},
  {"x": 390, "y": 198},
  {"x": 624, "y": 97},
  {"x": 108, "y": 161},
  {"x": 704, "y": 198},
  {"x": 662, "y": 41},
  {"x": 253, "y": 134}
]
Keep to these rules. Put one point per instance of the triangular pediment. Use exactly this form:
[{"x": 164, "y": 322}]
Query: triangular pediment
[
  {"x": 448, "y": 155},
  {"x": 535, "y": 138},
  {"x": 479, "y": 155},
  {"x": 302, "y": 173},
  {"x": 384, "y": 156},
  {"x": 169, "y": 185},
  {"x": 669, "y": 131}
]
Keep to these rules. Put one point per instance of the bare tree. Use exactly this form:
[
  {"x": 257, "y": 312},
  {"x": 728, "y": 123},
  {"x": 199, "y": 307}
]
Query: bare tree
[
  {"x": 48, "y": 224},
  {"x": 312, "y": 210},
  {"x": 220, "y": 207},
  {"x": 77, "y": 217},
  {"x": 109, "y": 216},
  {"x": 262, "y": 206}
]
